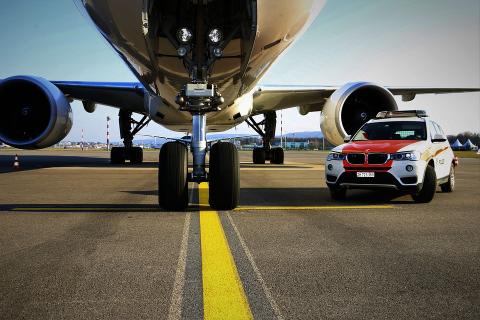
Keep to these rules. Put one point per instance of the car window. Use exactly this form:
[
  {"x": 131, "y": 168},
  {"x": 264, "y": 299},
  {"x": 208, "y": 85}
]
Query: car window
[
  {"x": 432, "y": 129},
  {"x": 438, "y": 129},
  {"x": 395, "y": 130}
]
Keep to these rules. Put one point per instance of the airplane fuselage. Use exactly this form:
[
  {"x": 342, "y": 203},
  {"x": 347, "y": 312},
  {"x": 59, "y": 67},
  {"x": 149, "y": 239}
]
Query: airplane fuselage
[{"x": 255, "y": 34}]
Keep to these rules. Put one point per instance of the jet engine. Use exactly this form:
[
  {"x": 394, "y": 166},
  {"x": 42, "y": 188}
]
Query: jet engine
[
  {"x": 349, "y": 107},
  {"x": 34, "y": 113}
]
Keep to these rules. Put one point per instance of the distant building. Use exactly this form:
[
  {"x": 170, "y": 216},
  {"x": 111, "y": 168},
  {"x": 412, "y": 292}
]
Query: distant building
[{"x": 297, "y": 145}]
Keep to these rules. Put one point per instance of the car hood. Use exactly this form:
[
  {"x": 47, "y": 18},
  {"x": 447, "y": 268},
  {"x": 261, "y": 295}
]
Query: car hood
[{"x": 384, "y": 146}]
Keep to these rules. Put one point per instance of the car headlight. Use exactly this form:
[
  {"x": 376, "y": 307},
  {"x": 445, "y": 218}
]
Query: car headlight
[
  {"x": 336, "y": 156},
  {"x": 405, "y": 156}
]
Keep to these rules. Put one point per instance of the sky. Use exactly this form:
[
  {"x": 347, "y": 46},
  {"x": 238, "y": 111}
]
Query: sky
[{"x": 434, "y": 43}]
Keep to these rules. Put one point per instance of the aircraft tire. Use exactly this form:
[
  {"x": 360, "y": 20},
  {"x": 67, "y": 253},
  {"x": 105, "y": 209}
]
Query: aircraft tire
[
  {"x": 117, "y": 155},
  {"x": 259, "y": 156},
  {"x": 277, "y": 156},
  {"x": 224, "y": 176},
  {"x": 429, "y": 187},
  {"x": 136, "y": 155},
  {"x": 172, "y": 176}
]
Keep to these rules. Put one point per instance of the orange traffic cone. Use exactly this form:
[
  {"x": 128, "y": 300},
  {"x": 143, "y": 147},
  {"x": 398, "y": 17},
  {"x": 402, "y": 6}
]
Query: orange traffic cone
[{"x": 16, "y": 163}]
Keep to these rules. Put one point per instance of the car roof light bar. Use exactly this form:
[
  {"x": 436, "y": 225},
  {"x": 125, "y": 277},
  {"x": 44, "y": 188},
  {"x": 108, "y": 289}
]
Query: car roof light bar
[{"x": 401, "y": 114}]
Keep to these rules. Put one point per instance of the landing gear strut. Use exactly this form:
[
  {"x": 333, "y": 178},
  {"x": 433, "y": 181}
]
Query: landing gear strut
[
  {"x": 266, "y": 152},
  {"x": 118, "y": 155}
]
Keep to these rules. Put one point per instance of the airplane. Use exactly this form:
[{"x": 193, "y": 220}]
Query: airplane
[{"x": 198, "y": 65}]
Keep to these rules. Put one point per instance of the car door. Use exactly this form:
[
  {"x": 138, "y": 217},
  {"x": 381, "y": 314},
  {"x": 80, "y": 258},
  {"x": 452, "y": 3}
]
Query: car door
[{"x": 442, "y": 164}]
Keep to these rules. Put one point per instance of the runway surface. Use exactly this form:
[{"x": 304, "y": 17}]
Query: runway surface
[{"x": 81, "y": 239}]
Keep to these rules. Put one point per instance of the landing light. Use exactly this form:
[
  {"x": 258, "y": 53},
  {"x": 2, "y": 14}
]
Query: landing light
[
  {"x": 184, "y": 35},
  {"x": 182, "y": 51},
  {"x": 217, "y": 52},
  {"x": 215, "y": 36}
]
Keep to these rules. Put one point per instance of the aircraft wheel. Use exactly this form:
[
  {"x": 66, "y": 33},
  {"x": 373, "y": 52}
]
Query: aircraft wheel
[
  {"x": 136, "y": 155},
  {"x": 277, "y": 156},
  {"x": 449, "y": 186},
  {"x": 429, "y": 187},
  {"x": 117, "y": 155},
  {"x": 259, "y": 156},
  {"x": 224, "y": 176},
  {"x": 172, "y": 176}
]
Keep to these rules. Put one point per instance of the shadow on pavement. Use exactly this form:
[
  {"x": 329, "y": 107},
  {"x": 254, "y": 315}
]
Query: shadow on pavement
[
  {"x": 316, "y": 197},
  {"x": 34, "y": 162},
  {"x": 88, "y": 208},
  {"x": 265, "y": 197}
]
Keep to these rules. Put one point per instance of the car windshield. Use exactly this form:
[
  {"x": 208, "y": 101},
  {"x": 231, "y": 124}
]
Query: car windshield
[{"x": 395, "y": 130}]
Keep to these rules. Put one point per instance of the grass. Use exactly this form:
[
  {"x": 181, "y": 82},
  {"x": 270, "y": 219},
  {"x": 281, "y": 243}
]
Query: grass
[{"x": 467, "y": 154}]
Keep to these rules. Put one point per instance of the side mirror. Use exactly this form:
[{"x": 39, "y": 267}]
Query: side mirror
[
  {"x": 347, "y": 138},
  {"x": 438, "y": 138}
]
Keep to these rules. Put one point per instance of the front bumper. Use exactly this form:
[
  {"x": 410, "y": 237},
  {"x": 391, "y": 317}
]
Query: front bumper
[{"x": 395, "y": 176}]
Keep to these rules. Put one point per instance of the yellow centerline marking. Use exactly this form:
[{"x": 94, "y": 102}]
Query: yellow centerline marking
[{"x": 223, "y": 294}]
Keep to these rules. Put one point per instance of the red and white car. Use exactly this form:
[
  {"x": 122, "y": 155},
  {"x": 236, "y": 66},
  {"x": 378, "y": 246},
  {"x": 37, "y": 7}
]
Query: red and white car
[{"x": 400, "y": 150}]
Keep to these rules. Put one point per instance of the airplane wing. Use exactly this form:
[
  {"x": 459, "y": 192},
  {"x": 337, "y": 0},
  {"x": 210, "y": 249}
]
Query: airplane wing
[
  {"x": 122, "y": 95},
  {"x": 313, "y": 98}
]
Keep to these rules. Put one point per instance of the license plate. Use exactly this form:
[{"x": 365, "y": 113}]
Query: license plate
[{"x": 365, "y": 174}]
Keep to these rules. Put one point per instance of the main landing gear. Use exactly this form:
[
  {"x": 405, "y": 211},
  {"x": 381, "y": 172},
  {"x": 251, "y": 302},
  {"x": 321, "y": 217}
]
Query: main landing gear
[
  {"x": 266, "y": 152},
  {"x": 118, "y": 155}
]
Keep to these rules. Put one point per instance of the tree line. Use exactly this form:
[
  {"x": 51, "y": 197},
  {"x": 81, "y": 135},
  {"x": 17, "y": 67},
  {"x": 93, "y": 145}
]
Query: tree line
[{"x": 464, "y": 136}]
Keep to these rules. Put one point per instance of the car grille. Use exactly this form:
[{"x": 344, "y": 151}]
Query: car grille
[
  {"x": 356, "y": 158},
  {"x": 377, "y": 158}
]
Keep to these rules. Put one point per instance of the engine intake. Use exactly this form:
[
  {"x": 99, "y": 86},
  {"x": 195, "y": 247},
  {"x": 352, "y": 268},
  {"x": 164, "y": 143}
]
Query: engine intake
[
  {"x": 351, "y": 106},
  {"x": 34, "y": 113}
]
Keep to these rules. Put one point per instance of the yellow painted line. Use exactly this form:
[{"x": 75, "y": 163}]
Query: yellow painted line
[
  {"x": 223, "y": 294},
  {"x": 306, "y": 208}
]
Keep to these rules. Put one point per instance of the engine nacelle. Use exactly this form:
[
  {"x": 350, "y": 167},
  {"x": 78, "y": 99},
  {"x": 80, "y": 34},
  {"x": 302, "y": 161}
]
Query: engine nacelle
[
  {"x": 349, "y": 107},
  {"x": 34, "y": 113}
]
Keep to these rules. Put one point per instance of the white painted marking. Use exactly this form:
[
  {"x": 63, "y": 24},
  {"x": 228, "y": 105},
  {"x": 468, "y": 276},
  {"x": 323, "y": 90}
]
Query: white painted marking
[
  {"x": 258, "y": 274},
  {"x": 175, "y": 310}
]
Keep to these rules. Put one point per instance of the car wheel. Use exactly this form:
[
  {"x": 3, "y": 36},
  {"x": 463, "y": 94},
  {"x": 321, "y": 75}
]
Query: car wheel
[
  {"x": 338, "y": 193},
  {"x": 429, "y": 187},
  {"x": 449, "y": 186}
]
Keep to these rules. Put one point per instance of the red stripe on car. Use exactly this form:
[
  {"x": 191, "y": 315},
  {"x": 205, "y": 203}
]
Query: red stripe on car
[{"x": 371, "y": 146}]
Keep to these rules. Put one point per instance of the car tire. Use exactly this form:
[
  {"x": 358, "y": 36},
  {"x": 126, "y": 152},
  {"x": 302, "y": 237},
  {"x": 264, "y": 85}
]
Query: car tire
[
  {"x": 449, "y": 186},
  {"x": 429, "y": 187},
  {"x": 338, "y": 193}
]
